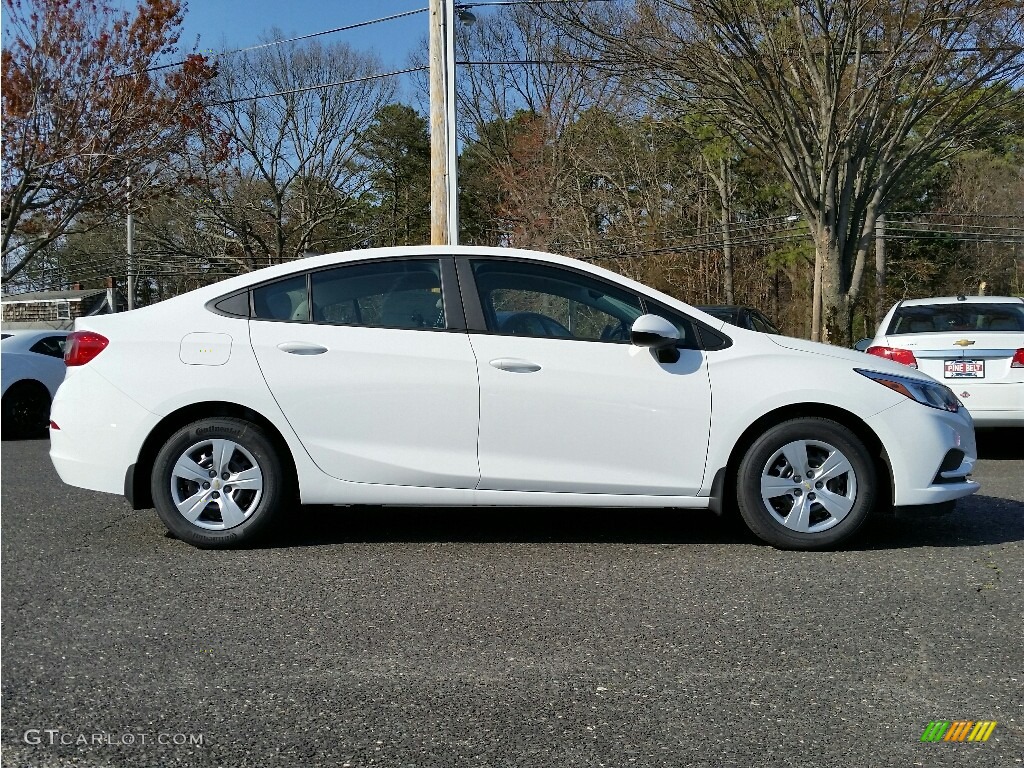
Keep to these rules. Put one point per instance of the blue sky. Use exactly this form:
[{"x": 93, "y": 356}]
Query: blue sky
[
  {"x": 237, "y": 23},
  {"x": 215, "y": 25}
]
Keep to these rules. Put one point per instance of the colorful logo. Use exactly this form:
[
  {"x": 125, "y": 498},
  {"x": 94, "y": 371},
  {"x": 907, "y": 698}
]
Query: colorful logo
[{"x": 958, "y": 730}]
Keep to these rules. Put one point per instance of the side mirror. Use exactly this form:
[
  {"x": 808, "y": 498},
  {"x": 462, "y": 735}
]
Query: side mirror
[
  {"x": 658, "y": 335},
  {"x": 862, "y": 345}
]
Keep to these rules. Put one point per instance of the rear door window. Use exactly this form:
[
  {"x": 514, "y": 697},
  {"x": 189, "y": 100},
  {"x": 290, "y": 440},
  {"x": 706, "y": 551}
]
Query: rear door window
[
  {"x": 387, "y": 294},
  {"x": 282, "y": 300}
]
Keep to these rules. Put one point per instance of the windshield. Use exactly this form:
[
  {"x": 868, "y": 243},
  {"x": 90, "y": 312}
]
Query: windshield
[
  {"x": 935, "y": 318},
  {"x": 728, "y": 314}
]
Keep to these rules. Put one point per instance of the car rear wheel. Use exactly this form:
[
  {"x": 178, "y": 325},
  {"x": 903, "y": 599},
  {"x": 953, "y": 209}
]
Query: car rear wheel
[
  {"x": 26, "y": 411},
  {"x": 218, "y": 483},
  {"x": 806, "y": 484}
]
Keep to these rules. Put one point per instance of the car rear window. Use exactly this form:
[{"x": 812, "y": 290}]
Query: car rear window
[
  {"x": 53, "y": 346},
  {"x": 936, "y": 318}
]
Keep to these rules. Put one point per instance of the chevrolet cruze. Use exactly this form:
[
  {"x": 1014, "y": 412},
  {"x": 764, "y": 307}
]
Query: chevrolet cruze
[
  {"x": 974, "y": 344},
  {"x": 462, "y": 376}
]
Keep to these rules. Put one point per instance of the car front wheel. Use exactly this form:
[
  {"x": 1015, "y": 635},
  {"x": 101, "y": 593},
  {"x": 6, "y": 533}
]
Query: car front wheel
[
  {"x": 218, "y": 483},
  {"x": 807, "y": 483}
]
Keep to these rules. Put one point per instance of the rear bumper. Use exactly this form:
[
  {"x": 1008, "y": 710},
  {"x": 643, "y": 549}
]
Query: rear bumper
[
  {"x": 991, "y": 403},
  {"x": 100, "y": 432}
]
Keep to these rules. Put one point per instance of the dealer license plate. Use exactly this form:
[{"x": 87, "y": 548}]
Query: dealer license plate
[{"x": 964, "y": 369}]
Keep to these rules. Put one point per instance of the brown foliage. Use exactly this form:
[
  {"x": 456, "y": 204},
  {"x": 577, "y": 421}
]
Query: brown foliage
[{"x": 86, "y": 107}]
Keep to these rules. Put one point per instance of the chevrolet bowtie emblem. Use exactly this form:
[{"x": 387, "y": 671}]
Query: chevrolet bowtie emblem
[{"x": 963, "y": 343}]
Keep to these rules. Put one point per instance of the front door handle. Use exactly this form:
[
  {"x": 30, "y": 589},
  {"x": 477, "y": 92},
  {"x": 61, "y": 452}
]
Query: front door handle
[
  {"x": 514, "y": 365},
  {"x": 301, "y": 348}
]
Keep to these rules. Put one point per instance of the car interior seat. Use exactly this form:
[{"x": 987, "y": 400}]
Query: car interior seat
[
  {"x": 1003, "y": 324},
  {"x": 301, "y": 311},
  {"x": 412, "y": 309}
]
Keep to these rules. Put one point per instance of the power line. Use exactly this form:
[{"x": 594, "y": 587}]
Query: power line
[
  {"x": 408, "y": 70},
  {"x": 317, "y": 87},
  {"x": 523, "y": 2},
  {"x": 258, "y": 46},
  {"x": 955, "y": 214},
  {"x": 563, "y": 62}
]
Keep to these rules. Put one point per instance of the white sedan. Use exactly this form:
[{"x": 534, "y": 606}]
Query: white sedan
[
  {"x": 32, "y": 367},
  {"x": 975, "y": 344},
  {"x": 394, "y": 377}
]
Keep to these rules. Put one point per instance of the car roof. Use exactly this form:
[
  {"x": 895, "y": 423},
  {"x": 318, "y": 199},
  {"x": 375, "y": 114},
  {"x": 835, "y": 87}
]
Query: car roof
[
  {"x": 327, "y": 260},
  {"x": 962, "y": 300}
]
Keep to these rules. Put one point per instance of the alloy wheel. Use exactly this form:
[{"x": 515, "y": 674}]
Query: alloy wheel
[
  {"x": 808, "y": 486},
  {"x": 216, "y": 484}
]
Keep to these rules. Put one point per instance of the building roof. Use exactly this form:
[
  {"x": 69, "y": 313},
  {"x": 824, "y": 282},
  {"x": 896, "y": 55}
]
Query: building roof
[{"x": 48, "y": 296}]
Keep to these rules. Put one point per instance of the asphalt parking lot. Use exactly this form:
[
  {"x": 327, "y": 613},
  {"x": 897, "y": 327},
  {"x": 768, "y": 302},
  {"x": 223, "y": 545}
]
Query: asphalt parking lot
[{"x": 506, "y": 638}]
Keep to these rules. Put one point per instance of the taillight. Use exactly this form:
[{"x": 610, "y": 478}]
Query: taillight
[
  {"x": 1018, "y": 359},
  {"x": 897, "y": 355},
  {"x": 83, "y": 346}
]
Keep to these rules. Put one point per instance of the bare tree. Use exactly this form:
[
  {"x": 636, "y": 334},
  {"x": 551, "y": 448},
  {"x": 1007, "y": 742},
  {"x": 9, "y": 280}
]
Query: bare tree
[
  {"x": 279, "y": 169},
  {"x": 851, "y": 98},
  {"x": 526, "y": 86}
]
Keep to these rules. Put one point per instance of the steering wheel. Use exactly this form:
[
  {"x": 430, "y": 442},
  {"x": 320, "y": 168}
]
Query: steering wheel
[{"x": 616, "y": 332}]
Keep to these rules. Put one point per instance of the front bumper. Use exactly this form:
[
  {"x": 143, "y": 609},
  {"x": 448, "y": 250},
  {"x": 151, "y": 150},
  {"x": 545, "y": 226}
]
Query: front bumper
[{"x": 918, "y": 440}]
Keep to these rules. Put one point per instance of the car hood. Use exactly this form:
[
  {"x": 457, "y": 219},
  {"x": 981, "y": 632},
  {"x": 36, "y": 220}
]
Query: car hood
[{"x": 852, "y": 356}]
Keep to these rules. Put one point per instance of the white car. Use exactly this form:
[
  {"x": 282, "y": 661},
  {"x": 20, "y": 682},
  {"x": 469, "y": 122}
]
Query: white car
[
  {"x": 32, "y": 367},
  {"x": 393, "y": 377},
  {"x": 975, "y": 344}
]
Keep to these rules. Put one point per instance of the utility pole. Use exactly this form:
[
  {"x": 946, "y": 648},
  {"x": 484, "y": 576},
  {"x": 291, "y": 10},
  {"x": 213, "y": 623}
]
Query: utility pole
[
  {"x": 131, "y": 252},
  {"x": 439, "y": 232},
  {"x": 451, "y": 171},
  {"x": 444, "y": 185},
  {"x": 880, "y": 265}
]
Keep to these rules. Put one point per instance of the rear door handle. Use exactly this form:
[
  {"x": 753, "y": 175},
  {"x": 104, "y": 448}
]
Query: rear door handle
[
  {"x": 514, "y": 365},
  {"x": 301, "y": 348}
]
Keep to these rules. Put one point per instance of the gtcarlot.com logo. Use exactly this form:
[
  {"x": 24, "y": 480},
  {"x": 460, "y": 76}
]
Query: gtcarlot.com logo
[
  {"x": 958, "y": 730},
  {"x": 55, "y": 736}
]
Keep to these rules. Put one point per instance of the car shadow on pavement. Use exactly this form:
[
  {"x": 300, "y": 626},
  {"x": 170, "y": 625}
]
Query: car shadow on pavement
[
  {"x": 977, "y": 521},
  {"x": 316, "y": 525},
  {"x": 1001, "y": 444}
]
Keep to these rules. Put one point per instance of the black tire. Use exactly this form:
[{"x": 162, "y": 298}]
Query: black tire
[
  {"x": 226, "y": 516},
  {"x": 828, "y": 509},
  {"x": 26, "y": 411}
]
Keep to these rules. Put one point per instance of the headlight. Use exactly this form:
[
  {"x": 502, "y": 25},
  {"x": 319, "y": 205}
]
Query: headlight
[{"x": 929, "y": 393}]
